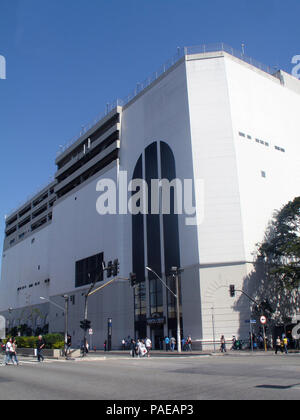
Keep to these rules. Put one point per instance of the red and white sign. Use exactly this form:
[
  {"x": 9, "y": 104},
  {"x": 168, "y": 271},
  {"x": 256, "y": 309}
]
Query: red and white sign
[
  {"x": 91, "y": 332},
  {"x": 263, "y": 320}
]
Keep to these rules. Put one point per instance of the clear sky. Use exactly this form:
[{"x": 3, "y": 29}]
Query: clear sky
[{"x": 67, "y": 58}]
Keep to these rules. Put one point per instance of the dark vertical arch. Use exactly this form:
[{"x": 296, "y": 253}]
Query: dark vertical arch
[
  {"x": 138, "y": 239},
  {"x": 153, "y": 220},
  {"x": 170, "y": 221},
  {"x": 138, "y": 263}
]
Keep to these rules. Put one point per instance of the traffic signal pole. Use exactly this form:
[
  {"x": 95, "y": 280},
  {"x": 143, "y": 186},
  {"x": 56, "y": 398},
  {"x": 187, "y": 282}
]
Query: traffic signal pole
[
  {"x": 232, "y": 291},
  {"x": 90, "y": 293}
]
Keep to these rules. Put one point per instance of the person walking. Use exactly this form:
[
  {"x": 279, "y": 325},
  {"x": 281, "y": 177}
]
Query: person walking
[
  {"x": 14, "y": 358},
  {"x": 167, "y": 343},
  {"x": 278, "y": 345},
  {"x": 189, "y": 343},
  {"x": 223, "y": 344},
  {"x": 173, "y": 343},
  {"x": 40, "y": 346},
  {"x": 123, "y": 344},
  {"x": 8, "y": 352},
  {"x": 285, "y": 345},
  {"x": 68, "y": 346},
  {"x": 132, "y": 347},
  {"x": 148, "y": 344}
]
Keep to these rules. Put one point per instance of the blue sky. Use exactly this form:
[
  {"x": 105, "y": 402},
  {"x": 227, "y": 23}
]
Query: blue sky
[{"x": 67, "y": 59}]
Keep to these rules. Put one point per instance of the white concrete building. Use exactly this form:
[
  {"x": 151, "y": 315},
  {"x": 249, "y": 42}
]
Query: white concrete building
[{"x": 211, "y": 115}]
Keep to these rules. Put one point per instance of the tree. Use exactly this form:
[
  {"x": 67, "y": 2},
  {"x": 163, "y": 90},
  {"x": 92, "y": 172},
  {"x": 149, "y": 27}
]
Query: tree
[{"x": 280, "y": 255}]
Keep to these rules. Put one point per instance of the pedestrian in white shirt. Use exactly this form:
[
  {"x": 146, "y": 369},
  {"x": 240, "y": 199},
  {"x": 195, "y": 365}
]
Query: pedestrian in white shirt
[{"x": 148, "y": 344}]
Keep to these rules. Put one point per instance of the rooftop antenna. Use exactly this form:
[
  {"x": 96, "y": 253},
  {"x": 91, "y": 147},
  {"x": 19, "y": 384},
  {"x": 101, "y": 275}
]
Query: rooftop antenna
[{"x": 243, "y": 48}]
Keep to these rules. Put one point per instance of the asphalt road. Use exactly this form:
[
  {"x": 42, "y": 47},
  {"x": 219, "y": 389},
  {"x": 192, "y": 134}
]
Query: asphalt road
[{"x": 232, "y": 377}]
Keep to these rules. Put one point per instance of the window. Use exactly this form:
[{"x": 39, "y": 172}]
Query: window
[
  {"x": 89, "y": 270},
  {"x": 280, "y": 149},
  {"x": 242, "y": 134},
  {"x": 263, "y": 174}
]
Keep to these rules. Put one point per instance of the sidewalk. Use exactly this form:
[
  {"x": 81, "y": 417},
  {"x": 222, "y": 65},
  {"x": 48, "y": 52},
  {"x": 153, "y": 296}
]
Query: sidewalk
[{"x": 154, "y": 353}]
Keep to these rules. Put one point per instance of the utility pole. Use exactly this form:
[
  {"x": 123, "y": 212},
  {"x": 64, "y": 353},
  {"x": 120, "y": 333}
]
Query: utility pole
[
  {"x": 175, "y": 272},
  {"x": 66, "y": 297}
]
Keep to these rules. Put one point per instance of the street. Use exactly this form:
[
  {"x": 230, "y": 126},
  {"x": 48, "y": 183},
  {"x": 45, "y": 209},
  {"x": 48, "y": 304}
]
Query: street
[{"x": 231, "y": 377}]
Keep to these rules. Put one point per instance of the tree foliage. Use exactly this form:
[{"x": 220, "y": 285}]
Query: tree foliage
[{"x": 280, "y": 249}]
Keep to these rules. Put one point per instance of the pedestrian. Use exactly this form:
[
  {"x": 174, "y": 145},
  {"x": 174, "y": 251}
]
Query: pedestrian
[
  {"x": 148, "y": 344},
  {"x": 278, "y": 345},
  {"x": 189, "y": 343},
  {"x": 138, "y": 347},
  {"x": 143, "y": 350},
  {"x": 8, "y": 352},
  {"x": 14, "y": 352},
  {"x": 123, "y": 344},
  {"x": 173, "y": 343},
  {"x": 167, "y": 343},
  {"x": 183, "y": 344},
  {"x": 40, "y": 346},
  {"x": 233, "y": 343},
  {"x": 132, "y": 347},
  {"x": 68, "y": 346},
  {"x": 285, "y": 345},
  {"x": 223, "y": 344},
  {"x": 105, "y": 345}
]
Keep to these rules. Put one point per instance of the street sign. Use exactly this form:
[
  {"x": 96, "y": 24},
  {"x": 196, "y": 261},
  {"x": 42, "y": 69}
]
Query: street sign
[
  {"x": 91, "y": 331},
  {"x": 250, "y": 321},
  {"x": 263, "y": 320}
]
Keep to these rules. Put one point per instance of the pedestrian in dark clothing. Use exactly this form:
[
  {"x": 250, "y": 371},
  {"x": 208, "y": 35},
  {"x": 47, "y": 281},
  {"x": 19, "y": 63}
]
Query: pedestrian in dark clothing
[
  {"x": 132, "y": 347},
  {"x": 40, "y": 346},
  {"x": 68, "y": 345},
  {"x": 167, "y": 342}
]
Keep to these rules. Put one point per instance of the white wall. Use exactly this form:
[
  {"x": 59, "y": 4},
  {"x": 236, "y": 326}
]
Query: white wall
[
  {"x": 24, "y": 264},
  {"x": 220, "y": 235},
  {"x": 264, "y": 109}
]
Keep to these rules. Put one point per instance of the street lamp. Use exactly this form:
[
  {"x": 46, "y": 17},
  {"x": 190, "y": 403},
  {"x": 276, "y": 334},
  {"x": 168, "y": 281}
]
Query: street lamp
[{"x": 175, "y": 274}]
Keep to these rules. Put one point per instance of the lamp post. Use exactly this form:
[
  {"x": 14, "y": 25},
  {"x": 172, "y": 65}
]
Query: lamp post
[{"x": 175, "y": 273}]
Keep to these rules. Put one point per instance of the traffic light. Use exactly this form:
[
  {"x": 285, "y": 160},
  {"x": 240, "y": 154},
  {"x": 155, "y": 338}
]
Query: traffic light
[
  {"x": 109, "y": 269},
  {"x": 116, "y": 268},
  {"x": 85, "y": 324},
  {"x": 132, "y": 278},
  {"x": 232, "y": 290}
]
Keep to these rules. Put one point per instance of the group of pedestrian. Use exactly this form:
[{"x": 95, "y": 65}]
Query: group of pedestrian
[
  {"x": 186, "y": 343},
  {"x": 140, "y": 347},
  {"x": 10, "y": 349},
  {"x": 281, "y": 344}
]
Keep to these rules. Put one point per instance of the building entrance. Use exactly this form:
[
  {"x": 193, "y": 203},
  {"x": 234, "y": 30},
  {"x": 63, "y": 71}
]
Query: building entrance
[{"x": 157, "y": 336}]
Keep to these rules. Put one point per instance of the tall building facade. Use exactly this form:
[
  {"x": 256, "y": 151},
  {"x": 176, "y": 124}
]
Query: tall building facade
[{"x": 223, "y": 132}]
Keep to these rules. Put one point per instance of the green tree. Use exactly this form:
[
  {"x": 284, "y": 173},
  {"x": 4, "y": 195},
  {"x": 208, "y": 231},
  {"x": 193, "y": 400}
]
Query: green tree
[{"x": 280, "y": 255}]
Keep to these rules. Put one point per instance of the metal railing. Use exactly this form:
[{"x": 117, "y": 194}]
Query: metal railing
[
  {"x": 141, "y": 86},
  {"x": 29, "y": 198}
]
